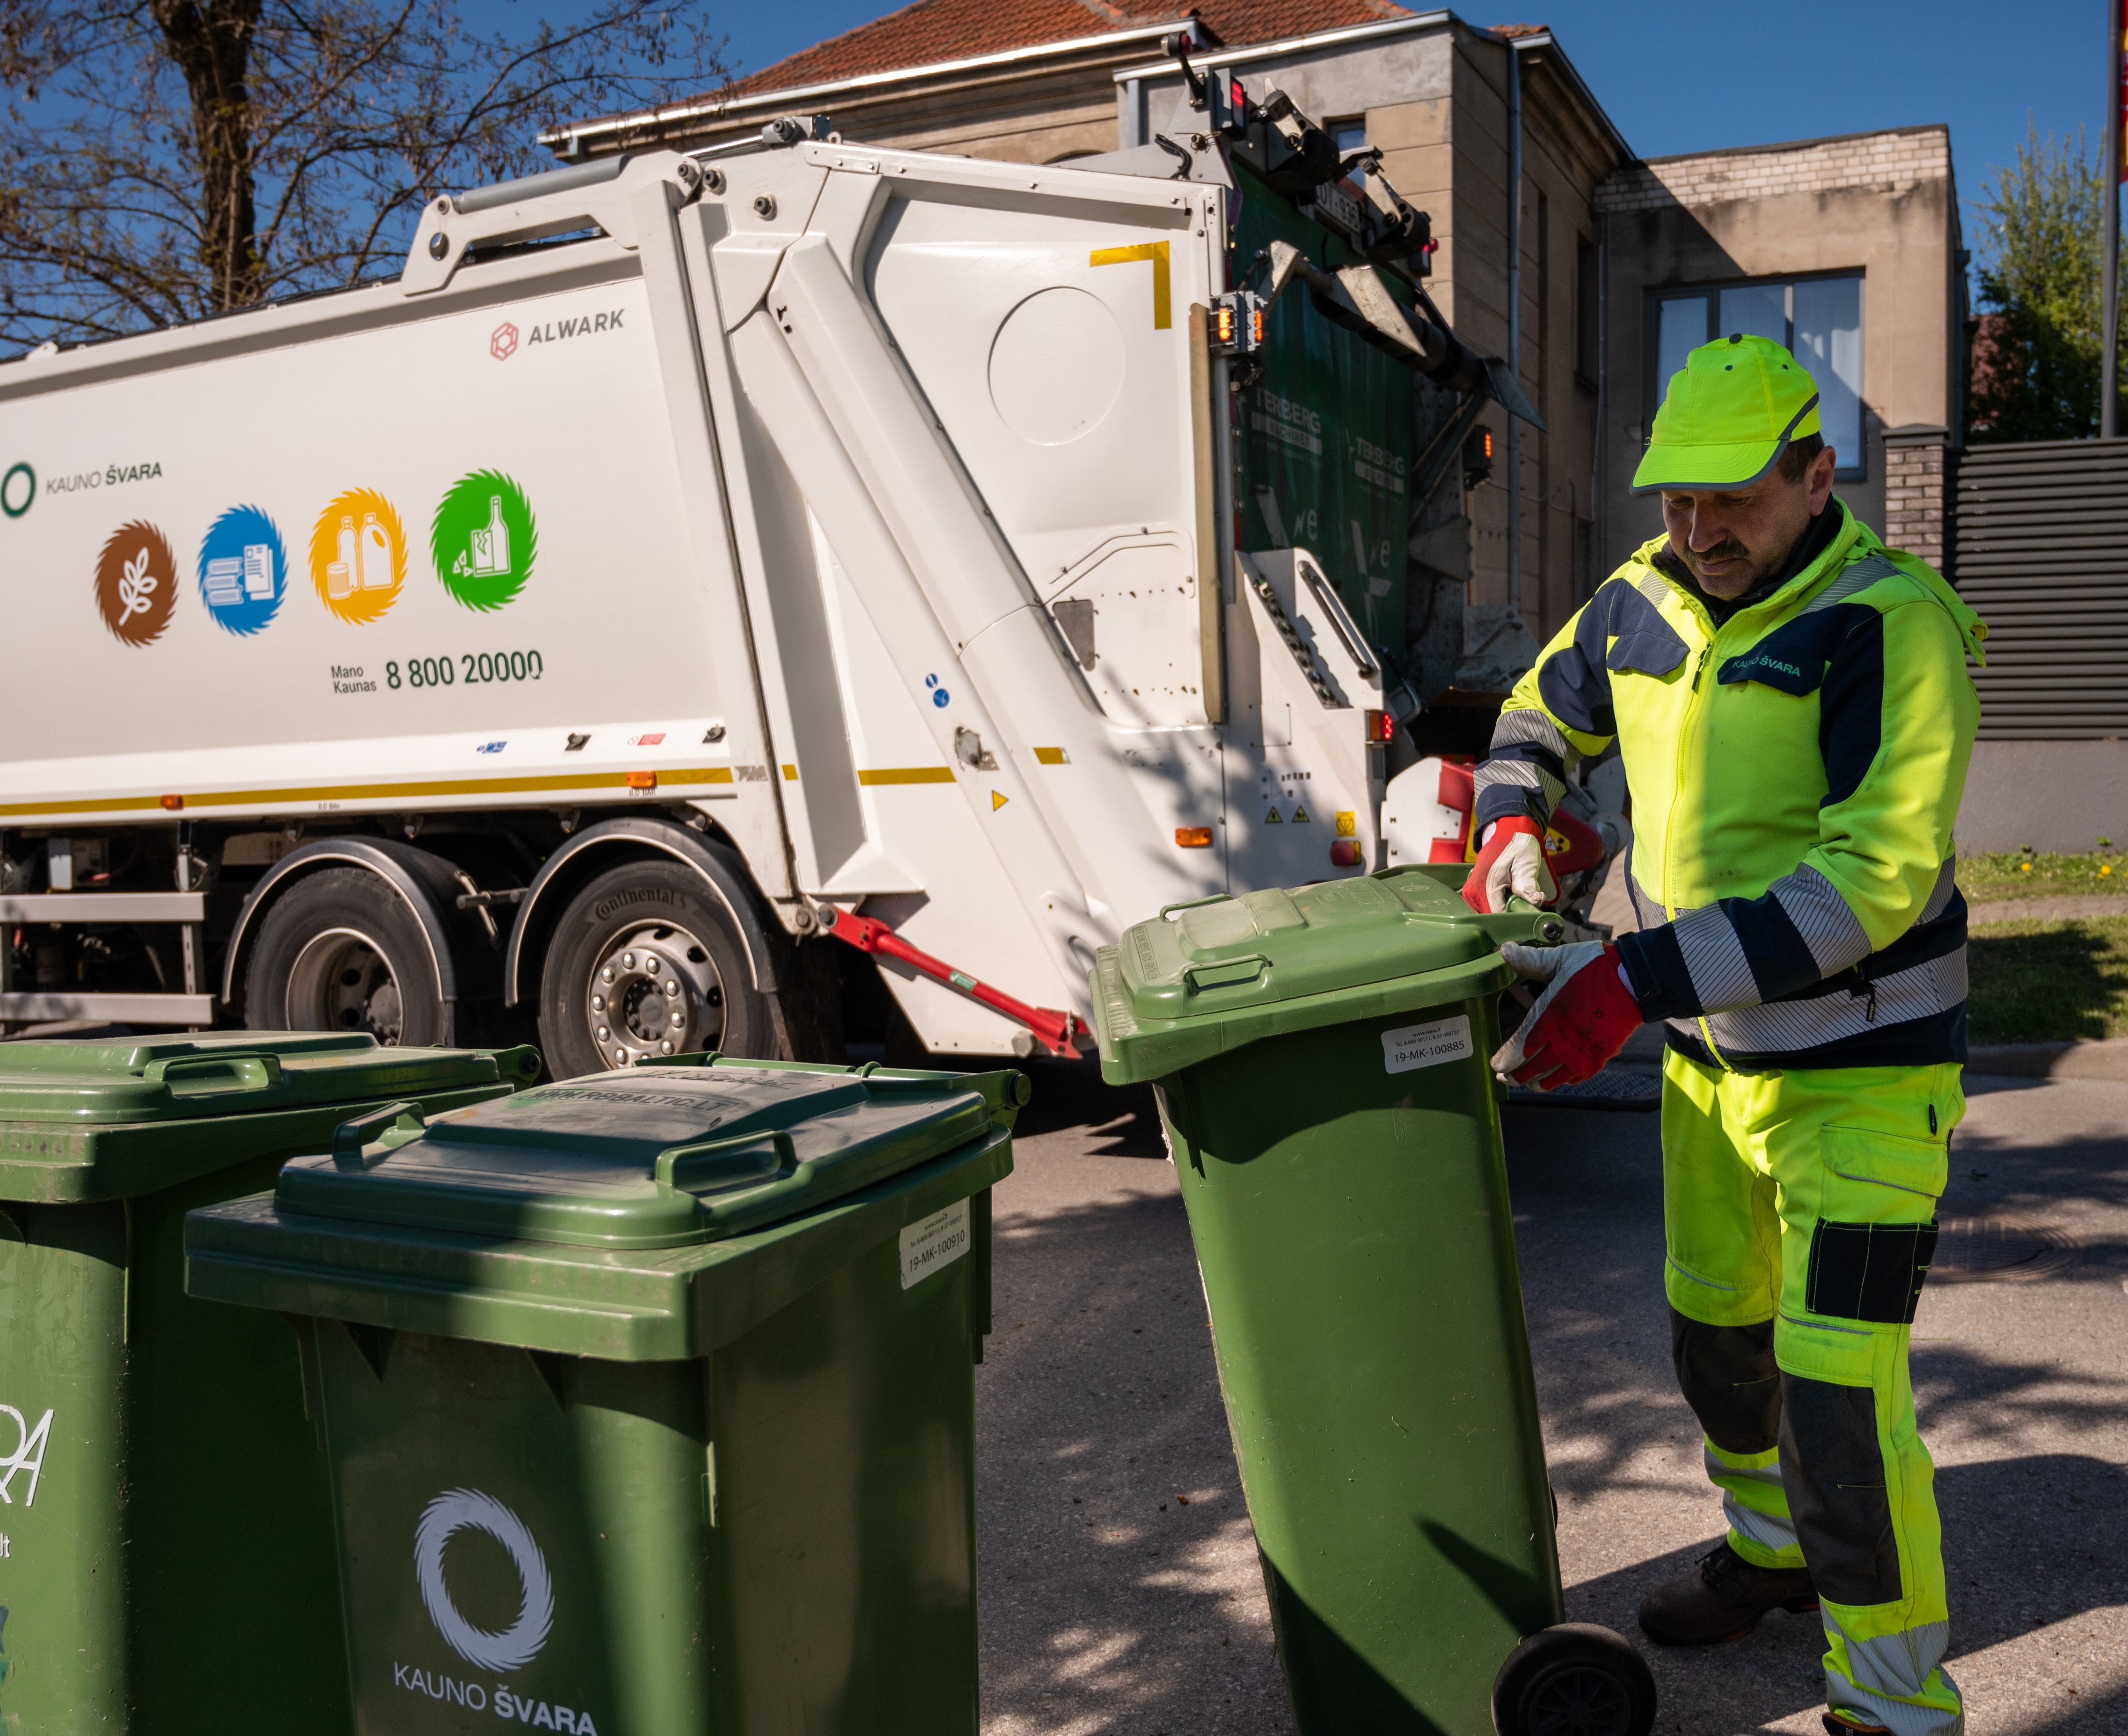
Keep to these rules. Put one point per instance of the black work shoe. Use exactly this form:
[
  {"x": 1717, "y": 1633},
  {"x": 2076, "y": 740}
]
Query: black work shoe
[
  {"x": 1845, "y": 1723},
  {"x": 1723, "y": 1598}
]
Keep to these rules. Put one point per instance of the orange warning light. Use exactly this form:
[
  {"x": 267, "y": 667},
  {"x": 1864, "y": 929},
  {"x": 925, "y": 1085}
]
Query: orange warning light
[
  {"x": 1194, "y": 837},
  {"x": 643, "y": 781}
]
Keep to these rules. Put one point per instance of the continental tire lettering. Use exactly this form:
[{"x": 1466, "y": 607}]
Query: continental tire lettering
[{"x": 606, "y": 907}]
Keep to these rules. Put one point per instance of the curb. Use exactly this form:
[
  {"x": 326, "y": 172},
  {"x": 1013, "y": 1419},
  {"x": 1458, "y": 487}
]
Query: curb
[{"x": 2093, "y": 1058}]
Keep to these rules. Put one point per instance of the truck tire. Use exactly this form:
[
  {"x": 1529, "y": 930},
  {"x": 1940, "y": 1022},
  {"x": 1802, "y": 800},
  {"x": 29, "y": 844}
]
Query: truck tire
[
  {"x": 340, "y": 950},
  {"x": 642, "y": 962}
]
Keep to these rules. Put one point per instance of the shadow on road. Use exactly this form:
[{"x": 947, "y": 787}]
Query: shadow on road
[{"x": 1119, "y": 1590}]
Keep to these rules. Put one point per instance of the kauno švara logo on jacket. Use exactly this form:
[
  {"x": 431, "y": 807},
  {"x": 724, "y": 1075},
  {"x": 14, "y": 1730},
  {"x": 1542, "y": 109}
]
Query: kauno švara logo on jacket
[{"x": 496, "y": 1653}]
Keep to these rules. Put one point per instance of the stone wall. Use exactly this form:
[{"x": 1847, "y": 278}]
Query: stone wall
[
  {"x": 1917, "y": 492},
  {"x": 1889, "y": 161}
]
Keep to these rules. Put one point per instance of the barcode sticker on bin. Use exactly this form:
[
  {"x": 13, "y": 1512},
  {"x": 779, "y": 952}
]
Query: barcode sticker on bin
[
  {"x": 1426, "y": 1046},
  {"x": 935, "y": 1241}
]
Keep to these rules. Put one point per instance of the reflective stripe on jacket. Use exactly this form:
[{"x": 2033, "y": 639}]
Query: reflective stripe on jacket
[{"x": 1795, "y": 773}]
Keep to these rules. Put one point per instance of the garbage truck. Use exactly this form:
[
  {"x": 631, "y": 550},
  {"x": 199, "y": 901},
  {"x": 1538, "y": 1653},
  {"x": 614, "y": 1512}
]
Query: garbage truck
[{"x": 685, "y": 554}]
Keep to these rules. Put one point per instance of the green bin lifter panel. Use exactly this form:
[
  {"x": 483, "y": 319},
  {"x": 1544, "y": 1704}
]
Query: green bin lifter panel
[
  {"x": 165, "y": 1530},
  {"x": 648, "y": 1396},
  {"x": 1323, "y": 448}
]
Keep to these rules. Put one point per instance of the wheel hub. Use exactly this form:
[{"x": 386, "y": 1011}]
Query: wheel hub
[
  {"x": 656, "y": 992},
  {"x": 340, "y": 981},
  {"x": 1577, "y": 1701}
]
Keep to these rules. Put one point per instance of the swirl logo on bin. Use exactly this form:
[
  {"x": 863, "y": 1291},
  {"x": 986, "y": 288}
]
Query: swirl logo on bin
[{"x": 462, "y": 1510}]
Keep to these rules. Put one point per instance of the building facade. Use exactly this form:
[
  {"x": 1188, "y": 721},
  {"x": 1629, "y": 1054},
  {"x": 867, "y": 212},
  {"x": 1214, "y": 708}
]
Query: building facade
[{"x": 1846, "y": 248}]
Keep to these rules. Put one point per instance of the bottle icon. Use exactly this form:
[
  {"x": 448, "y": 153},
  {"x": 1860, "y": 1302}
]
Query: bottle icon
[
  {"x": 376, "y": 555},
  {"x": 340, "y": 574},
  {"x": 488, "y": 555}
]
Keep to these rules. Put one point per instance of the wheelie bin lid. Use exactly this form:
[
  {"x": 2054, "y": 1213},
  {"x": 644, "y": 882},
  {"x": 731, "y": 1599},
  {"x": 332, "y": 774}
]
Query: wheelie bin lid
[
  {"x": 1201, "y": 979},
  {"x": 637, "y": 1216},
  {"x": 649, "y": 1158},
  {"x": 96, "y": 1117}
]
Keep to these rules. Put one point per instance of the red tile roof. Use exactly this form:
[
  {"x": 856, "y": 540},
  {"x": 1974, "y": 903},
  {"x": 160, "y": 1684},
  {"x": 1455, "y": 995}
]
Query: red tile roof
[{"x": 932, "y": 31}]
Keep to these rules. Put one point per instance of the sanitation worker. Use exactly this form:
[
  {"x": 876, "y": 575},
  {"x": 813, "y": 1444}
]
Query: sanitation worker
[{"x": 1791, "y": 700}]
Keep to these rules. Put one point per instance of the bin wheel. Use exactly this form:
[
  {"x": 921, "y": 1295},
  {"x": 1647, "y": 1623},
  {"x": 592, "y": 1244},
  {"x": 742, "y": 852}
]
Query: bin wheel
[
  {"x": 642, "y": 963},
  {"x": 340, "y": 951},
  {"x": 1574, "y": 1680}
]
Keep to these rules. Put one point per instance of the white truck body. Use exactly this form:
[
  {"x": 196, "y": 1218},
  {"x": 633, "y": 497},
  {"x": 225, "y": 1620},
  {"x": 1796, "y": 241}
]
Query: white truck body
[{"x": 811, "y": 443}]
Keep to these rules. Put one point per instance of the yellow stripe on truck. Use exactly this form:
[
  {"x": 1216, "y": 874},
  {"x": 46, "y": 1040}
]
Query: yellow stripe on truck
[
  {"x": 907, "y": 775},
  {"x": 372, "y": 792}
]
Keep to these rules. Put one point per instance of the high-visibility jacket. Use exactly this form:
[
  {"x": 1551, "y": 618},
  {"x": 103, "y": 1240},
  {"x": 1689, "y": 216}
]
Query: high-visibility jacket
[{"x": 1795, "y": 773}]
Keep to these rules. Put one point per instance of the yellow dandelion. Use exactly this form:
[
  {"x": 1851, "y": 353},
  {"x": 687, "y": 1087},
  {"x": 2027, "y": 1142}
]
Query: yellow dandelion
[{"x": 2024, "y": 867}]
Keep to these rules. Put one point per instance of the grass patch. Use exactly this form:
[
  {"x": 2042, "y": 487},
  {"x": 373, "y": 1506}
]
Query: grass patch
[
  {"x": 2045, "y": 982},
  {"x": 2022, "y": 875}
]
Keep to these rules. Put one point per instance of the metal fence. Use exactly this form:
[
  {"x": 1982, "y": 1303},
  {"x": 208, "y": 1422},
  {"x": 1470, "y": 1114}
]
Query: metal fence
[{"x": 2040, "y": 541}]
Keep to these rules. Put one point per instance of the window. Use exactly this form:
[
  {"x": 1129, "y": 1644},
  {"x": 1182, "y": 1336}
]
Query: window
[
  {"x": 1349, "y": 135},
  {"x": 1818, "y": 319},
  {"x": 1587, "y": 298}
]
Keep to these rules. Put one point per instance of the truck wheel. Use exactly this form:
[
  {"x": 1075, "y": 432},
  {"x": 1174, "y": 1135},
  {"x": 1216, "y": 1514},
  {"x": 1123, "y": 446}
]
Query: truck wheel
[
  {"x": 1574, "y": 1680},
  {"x": 643, "y": 962},
  {"x": 339, "y": 951}
]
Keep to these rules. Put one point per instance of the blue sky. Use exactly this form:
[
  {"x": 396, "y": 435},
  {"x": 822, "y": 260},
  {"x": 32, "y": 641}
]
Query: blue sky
[{"x": 1683, "y": 75}]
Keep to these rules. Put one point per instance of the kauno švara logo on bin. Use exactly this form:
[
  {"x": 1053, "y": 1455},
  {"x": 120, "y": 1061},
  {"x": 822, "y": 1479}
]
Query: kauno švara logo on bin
[
  {"x": 28, "y": 1455},
  {"x": 461, "y": 1509}
]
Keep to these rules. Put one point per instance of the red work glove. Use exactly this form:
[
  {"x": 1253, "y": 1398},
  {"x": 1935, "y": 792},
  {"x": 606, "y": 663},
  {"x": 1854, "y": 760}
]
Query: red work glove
[
  {"x": 1578, "y": 1023},
  {"x": 1511, "y": 859}
]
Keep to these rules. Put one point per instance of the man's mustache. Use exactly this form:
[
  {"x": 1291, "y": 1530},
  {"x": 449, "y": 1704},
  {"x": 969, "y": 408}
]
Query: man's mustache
[{"x": 1727, "y": 549}]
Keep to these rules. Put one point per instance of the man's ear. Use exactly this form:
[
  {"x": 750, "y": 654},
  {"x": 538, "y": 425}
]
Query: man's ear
[{"x": 1819, "y": 477}]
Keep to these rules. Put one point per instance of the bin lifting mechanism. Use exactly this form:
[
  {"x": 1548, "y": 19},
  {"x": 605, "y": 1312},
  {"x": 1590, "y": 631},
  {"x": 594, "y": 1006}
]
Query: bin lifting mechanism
[{"x": 1054, "y": 1030}]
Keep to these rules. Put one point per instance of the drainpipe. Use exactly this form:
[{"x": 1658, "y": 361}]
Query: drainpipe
[
  {"x": 1514, "y": 325},
  {"x": 2109, "y": 377},
  {"x": 1599, "y": 461}
]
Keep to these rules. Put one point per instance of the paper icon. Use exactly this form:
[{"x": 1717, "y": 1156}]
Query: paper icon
[
  {"x": 259, "y": 572},
  {"x": 225, "y": 583}
]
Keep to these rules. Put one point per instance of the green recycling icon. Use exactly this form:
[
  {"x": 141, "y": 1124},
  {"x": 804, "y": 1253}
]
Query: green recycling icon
[{"x": 484, "y": 539}]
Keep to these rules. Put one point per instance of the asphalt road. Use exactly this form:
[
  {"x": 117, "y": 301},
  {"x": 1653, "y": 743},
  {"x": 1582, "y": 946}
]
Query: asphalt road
[{"x": 1120, "y": 1590}]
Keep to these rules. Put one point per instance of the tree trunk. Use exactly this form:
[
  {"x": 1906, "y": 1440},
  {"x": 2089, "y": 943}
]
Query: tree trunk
[{"x": 210, "y": 40}]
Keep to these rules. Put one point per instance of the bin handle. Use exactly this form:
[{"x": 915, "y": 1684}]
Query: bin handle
[
  {"x": 1549, "y": 929},
  {"x": 210, "y": 1075},
  {"x": 519, "y": 1063},
  {"x": 718, "y": 1165},
  {"x": 1192, "y": 903},
  {"x": 350, "y": 1136},
  {"x": 1226, "y": 973}
]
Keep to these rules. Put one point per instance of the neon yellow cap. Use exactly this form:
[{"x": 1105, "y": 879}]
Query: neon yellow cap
[{"x": 1732, "y": 410}]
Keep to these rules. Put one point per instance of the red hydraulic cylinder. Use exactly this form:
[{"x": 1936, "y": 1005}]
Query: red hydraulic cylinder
[{"x": 1054, "y": 1030}]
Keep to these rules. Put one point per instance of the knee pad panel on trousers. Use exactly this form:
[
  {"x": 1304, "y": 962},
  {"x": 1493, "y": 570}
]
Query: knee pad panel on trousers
[
  {"x": 1833, "y": 1468},
  {"x": 1872, "y": 1271},
  {"x": 1728, "y": 1376}
]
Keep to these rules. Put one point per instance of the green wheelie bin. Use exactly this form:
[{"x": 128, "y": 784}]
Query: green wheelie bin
[
  {"x": 648, "y": 1396},
  {"x": 1320, "y": 1060},
  {"x": 165, "y": 1530}
]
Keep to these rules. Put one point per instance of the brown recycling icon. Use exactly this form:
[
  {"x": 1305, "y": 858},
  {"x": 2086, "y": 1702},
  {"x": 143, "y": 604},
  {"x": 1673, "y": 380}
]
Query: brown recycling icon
[{"x": 136, "y": 584}]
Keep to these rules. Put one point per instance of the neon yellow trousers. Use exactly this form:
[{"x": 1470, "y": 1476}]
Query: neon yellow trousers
[{"x": 1800, "y": 1214}]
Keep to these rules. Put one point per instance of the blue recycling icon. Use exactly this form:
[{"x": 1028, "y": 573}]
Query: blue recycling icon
[{"x": 243, "y": 571}]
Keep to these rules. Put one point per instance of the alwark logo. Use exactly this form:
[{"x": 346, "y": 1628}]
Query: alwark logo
[
  {"x": 461, "y": 1510},
  {"x": 555, "y": 331}
]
